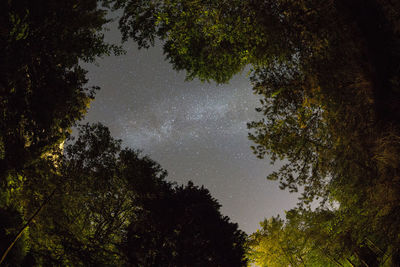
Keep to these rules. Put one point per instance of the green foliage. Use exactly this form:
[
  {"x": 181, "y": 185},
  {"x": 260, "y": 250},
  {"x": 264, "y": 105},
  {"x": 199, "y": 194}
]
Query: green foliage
[
  {"x": 10, "y": 220},
  {"x": 84, "y": 221},
  {"x": 80, "y": 202},
  {"x": 314, "y": 238},
  {"x": 43, "y": 88},
  {"x": 284, "y": 244},
  {"x": 208, "y": 39},
  {"x": 328, "y": 76},
  {"x": 113, "y": 207},
  {"x": 331, "y": 118}
]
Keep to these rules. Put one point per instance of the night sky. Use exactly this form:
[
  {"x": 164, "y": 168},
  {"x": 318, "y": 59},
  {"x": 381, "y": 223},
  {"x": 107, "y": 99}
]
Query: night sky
[{"x": 196, "y": 131}]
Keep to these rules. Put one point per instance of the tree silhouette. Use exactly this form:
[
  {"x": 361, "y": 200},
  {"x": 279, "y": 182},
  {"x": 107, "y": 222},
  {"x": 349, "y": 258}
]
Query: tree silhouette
[
  {"x": 111, "y": 206},
  {"x": 183, "y": 227},
  {"x": 43, "y": 89}
]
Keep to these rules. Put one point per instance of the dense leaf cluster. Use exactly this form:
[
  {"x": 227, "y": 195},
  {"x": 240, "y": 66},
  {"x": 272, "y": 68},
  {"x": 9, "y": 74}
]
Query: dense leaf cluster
[{"x": 42, "y": 87}]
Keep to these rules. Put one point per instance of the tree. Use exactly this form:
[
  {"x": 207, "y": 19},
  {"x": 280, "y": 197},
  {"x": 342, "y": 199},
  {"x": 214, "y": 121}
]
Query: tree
[
  {"x": 312, "y": 238},
  {"x": 183, "y": 227},
  {"x": 327, "y": 72},
  {"x": 111, "y": 206},
  {"x": 271, "y": 247},
  {"x": 43, "y": 89},
  {"x": 327, "y": 120},
  {"x": 211, "y": 40},
  {"x": 96, "y": 185},
  {"x": 75, "y": 203}
]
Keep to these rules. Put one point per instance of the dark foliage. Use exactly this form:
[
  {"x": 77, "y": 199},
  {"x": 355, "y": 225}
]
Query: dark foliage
[
  {"x": 42, "y": 86},
  {"x": 113, "y": 207},
  {"x": 328, "y": 76},
  {"x": 183, "y": 227}
]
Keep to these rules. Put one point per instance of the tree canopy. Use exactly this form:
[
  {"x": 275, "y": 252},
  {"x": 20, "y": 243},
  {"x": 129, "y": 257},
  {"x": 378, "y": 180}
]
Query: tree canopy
[
  {"x": 328, "y": 76},
  {"x": 42, "y": 86},
  {"x": 87, "y": 202},
  {"x": 184, "y": 227},
  {"x": 105, "y": 205}
]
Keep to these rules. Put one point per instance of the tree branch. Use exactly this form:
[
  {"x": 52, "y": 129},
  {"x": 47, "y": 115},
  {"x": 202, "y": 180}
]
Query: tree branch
[{"x": 26, "y": 225}]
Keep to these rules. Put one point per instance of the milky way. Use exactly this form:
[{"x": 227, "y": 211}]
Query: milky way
[{"x": 196, "y": 131}]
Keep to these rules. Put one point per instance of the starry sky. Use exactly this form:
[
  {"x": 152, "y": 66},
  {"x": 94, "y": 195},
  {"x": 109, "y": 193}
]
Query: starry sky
[{"x": 196, "y": 131}]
